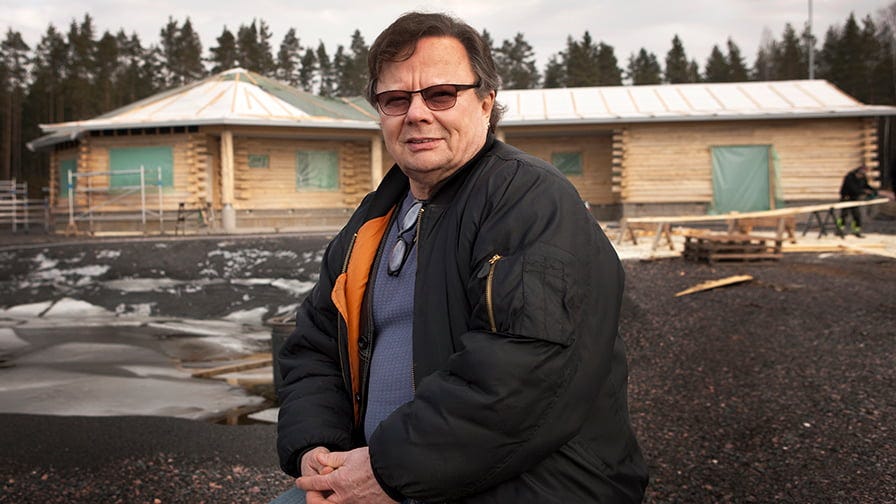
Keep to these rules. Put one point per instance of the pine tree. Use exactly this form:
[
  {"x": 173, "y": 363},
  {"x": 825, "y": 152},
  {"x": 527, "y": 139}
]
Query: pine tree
[
  {"x": 581, "y": 62},
  {"x": 676, "y": 63},
  {"x": 644, "y": 68},
  {"x": 842, "y": 60},
  {"x": 790, "y": 64},
  {"x": 288, "y": 59},
  {"x": 694, "y": 72},
  {"x": 717, "y": 69},
  {"x": 325, "y": 72},
  {"x": 308, "y": 70},
  {"x": 224, "y": 56},
  {"x": 554, "y": 72},
  {"x": 80, "y": 95},
  {"x": 169, "y": 50},
  {"x": 134, "y": 77},
  {"x": 764, "y": 66},
  {"x": 46, "y": 91},
  {"x": 608, "y": 67},
  {"x": 737, "y": 69},
  {"x": 14, "y": 86},
  {"x": 104, "y": 83},
  {"x": 515, "y": 61},
  {"x": 352, "y": 70},
  {"x": 267, "y": 66},
  {"x": 254, "y": 49},
  {"x": 191, "y": 68}
]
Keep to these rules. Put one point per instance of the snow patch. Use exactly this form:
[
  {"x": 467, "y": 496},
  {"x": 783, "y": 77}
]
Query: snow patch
[
  {"x": 108, "y": 254},
  {"x": 253, "y": 316},
  {"x": 30, "y": 310},
  {"x": 74, "y": 308},
  {"x": 296, "y": 287}
]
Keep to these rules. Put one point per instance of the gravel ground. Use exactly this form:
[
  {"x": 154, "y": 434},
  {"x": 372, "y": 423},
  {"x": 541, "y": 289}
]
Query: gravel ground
[{"x": 775, "y": 390}]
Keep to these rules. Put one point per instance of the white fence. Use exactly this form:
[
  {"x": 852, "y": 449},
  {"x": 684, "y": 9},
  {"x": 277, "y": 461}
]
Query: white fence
[{"x": 20, "y": 212}]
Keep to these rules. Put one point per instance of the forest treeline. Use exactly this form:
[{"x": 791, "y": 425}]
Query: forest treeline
[{"x": 79, "y": 74}]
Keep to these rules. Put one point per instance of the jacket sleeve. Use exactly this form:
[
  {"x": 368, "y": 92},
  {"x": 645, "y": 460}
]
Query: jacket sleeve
[
  {"x": 538, "y": 345},
  {"x": 315, "y": 408}
]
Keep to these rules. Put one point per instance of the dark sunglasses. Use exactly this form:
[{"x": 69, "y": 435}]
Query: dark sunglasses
[
  {"x": 438, "y": 97},
  {"x": 402, "y": 246}
]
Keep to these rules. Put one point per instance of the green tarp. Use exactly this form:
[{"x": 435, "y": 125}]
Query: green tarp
[{"x": 740, "y": 178}]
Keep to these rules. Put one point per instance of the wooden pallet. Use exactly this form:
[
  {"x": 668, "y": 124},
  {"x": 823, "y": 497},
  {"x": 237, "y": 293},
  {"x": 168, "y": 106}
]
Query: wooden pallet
[{"x": 711, "y": 247}]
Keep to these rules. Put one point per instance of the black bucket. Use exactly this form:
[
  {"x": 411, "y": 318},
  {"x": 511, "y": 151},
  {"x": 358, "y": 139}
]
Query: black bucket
[{"x": 281, "y": 328}]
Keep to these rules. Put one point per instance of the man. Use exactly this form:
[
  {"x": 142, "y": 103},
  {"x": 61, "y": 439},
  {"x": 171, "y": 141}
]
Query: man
[
  {"x": 854, "y": 188},
  {"x": 461, "y": 344}
]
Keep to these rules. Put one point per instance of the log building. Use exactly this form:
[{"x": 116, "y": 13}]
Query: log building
[{"x": 250, "y": 152}]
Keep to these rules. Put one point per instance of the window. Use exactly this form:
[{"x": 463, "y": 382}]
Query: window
[
  {"x": 569, "y": 163},
  {"x": 66, "y": 166},
  {"x": 317, "y": 170},
  {"x": 130, "y": 159},
  {"x": 259, "y": 161}
]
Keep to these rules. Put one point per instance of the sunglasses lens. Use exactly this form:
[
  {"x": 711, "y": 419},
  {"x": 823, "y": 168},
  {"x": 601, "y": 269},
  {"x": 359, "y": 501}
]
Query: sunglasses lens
[
  {"x": 396, "y": 259},
  {"x": 440, "y": 97},
  {"x": 394, "y": 102}
]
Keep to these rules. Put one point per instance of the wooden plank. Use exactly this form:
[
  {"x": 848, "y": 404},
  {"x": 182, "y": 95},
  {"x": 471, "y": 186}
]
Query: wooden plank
[
  {"x": 713, "y": 284},
  {"x": 235, "y": 367},
  {"x": 869, "y": 250}
]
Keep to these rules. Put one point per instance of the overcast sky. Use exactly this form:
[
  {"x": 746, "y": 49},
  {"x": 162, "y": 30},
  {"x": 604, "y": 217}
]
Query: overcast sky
[{"x": 627, "y": 25}]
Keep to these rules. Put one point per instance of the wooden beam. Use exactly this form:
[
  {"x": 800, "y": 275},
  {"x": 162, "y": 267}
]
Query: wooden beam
[
  {"x": 712, "y": 284},
  {"x": 227, "y": 171}
]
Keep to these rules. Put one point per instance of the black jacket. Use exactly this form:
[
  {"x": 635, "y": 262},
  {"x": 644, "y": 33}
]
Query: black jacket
[
  {"x": 855, "y": 187},
  {"x": 520, "y": 374}
]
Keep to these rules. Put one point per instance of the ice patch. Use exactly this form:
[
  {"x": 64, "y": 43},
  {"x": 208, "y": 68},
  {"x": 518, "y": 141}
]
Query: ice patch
[
  {"x": 142, "y": 284},
  {"x": 94, "y": 353},
  {"x": 213, "y": 328},
  {"x": 10, "y": 341},
  {"x": 53, "y": 274},
  {"x": 45, "y": 391},
  {"x": 135, "y": 310}
]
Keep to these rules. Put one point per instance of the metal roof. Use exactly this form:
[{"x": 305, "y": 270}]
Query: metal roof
[
  {"x": 234, "y": 97},
  {"x": 240, "y": 97},
  {"x": 682, "y": 102}
]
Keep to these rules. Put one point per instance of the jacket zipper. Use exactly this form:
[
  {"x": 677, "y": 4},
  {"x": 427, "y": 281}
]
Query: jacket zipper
[
  {"x": 341, "y": 335},
  {"x": 416, "y": 251},
  {"x": 488, "y": 291}
]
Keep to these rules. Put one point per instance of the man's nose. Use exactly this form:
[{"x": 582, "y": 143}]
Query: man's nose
[{"x": 417, "y": 108}]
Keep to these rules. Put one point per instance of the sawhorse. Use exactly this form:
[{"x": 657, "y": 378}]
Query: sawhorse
[{"x": 829, "y": 217}]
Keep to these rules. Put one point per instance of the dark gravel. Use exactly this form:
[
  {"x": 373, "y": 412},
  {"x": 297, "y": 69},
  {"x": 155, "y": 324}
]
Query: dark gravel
[{"x": 776, "y": 390}]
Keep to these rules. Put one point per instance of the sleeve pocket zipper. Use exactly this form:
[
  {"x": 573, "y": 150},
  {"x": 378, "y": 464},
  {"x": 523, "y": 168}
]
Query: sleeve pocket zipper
[{"x": 489, "y": 301}]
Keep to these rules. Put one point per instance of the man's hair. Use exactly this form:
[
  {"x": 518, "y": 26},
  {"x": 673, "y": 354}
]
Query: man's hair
[{"x": 399, "y": 41}]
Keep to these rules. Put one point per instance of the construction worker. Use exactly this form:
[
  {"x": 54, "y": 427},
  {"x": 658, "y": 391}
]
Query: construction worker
[{"x": 854, "y": 188}]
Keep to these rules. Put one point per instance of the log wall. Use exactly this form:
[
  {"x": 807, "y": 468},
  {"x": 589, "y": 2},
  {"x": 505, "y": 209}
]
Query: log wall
[
  {"x": 595, "y": 184},
  {"x": 274, "y": 187},
  {"x": 672, "y": 163}
]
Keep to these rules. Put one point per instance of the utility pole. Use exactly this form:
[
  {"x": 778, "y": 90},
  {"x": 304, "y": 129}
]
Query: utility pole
[{"x": 810, "y": 46}]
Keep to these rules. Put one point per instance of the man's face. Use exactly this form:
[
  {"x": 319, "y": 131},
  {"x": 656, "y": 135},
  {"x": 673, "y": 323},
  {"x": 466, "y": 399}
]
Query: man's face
[{"x": 431, "y": 145}]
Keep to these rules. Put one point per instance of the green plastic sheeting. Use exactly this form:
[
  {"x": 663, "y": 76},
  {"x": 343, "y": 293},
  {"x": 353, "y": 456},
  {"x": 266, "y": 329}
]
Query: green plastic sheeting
[
  {"x": 132, "y": 158},
  {"x": 740, "y": 178}
]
